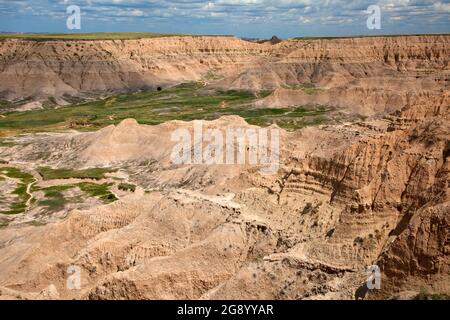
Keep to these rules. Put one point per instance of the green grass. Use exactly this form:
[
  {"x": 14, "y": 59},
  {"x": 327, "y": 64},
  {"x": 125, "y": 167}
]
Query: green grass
[
  {"x": 8, "y": 106},
  {"x": 54, "y": 199},
  {"x": 25, "y": 179},
  {"x": 90, "y": 36},
  {"x": 54, "y": 196},
  {"x": 291, "y": 118},
  {"x": 100, "y": 191},
  {"x": 308, "y": 88},
  {"x": 127, "y": 187},
  {"x": 92, "y": 173},
  {"x": 17, "y": 174},
  {"x": 20, "y": 205},
  {"x": 189, "y": 101}
]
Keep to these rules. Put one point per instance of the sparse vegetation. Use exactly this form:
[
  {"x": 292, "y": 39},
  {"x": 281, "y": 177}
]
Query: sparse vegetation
[
  {"x": 52, "y": 100},
  {"x": 92, "y": 173},
  {"x": 127, "y": 187},
  {"x": 54, "y": 199},
  {"x": 17, "y": 174},
  {"x": 211, "y": 75},
  {"x": 189, "y": 101},
  {"x": 311, "y": 209},
  {"x": 4, "y": 222},
  {"x": 100, "y": 191},
  {"x": 6, "y": 143},
  {"x": 36, "y": 223},
  {"x": 308, "y": 88},
  {"x": 23, "y": 180},
  {"x": 308, "y": 208},
  {"x": 425, "y": 294}
]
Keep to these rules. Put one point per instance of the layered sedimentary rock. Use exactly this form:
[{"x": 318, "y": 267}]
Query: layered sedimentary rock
[
  {"x": 55, "y": 68},
  {"x": 347, "y": 196},
  {"x": 362, "y": 194}
]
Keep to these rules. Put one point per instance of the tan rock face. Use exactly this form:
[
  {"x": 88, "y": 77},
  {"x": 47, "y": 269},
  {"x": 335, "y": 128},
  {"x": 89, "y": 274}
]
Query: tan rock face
[
  {"x": 347, "y": 196},
  {"x": 55, "y": 68},
  {"x": 419, "y": 256}
]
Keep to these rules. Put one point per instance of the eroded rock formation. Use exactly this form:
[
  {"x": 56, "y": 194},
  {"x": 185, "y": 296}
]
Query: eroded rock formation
[{"x": 347, "y": 196}]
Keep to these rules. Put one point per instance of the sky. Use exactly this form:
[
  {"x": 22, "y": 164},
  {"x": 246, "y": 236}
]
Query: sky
[{"x": 243, "y": 18}]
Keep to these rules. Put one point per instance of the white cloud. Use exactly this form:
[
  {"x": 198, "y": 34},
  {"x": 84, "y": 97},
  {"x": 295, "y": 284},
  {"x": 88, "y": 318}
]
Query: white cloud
[
  {"x": 442, "y": 7},
  {"x": 322, "y": 14}
]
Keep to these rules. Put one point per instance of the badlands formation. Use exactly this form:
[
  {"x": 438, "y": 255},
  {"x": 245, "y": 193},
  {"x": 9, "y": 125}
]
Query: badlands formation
[{"x": 348, "y": 195}]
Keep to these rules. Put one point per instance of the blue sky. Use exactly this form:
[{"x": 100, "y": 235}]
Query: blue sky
[{"x": 245, "y": 18}]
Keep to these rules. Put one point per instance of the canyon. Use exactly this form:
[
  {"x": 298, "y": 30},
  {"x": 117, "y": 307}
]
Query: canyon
[{"x": 363, "y": 181}]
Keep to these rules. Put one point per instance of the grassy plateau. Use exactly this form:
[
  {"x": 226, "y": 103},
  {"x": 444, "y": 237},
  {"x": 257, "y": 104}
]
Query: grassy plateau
[{"x": 89, "y": 36}]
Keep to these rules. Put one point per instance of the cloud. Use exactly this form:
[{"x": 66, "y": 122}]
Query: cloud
[{"x": 267, "y": 16}]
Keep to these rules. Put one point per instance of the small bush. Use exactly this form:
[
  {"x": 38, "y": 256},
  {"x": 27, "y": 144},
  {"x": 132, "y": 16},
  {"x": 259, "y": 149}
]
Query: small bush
[{"x": 127, "y": 187}]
